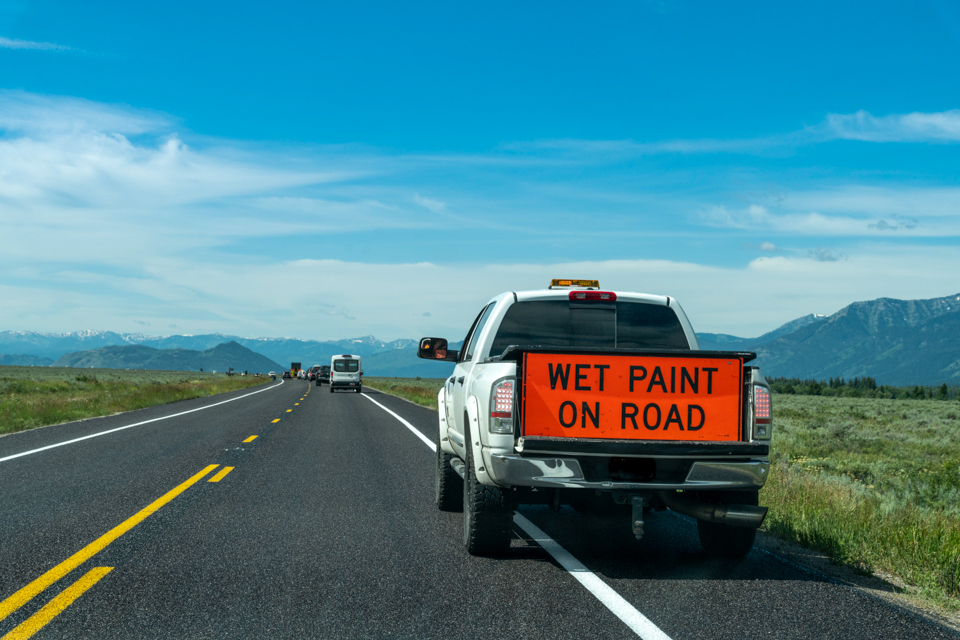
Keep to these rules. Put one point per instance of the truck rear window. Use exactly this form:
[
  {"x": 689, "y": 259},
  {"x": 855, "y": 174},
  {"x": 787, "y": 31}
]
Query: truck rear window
[
  {"x": 346, "y": 366},
  {"x": 559, "y": 323}
]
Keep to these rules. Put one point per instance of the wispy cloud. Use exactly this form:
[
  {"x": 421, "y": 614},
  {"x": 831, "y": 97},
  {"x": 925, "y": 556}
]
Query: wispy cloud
[
  {"x": 10, "y": 43},
  {"x": 765, "y": 247},
  {"x": 826, "y": 255},
  {"x": 860, "y": 126},
  {"x": 910, "y": 127},
  {"x": 433, "y": 205},
  {"x": 33, "y": 115},
  {"x": 615, "y": 150},
  {"x": 851, "y": 211}
]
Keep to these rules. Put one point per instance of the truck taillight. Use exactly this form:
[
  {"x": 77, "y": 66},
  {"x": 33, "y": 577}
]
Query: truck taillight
[
  {"x": 592, "y": 296},
  {"x": 501, "y": 406},
  {"x": 762, "y": 413}
]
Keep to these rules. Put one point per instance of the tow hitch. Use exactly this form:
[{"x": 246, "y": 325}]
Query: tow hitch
[{"x": 637, "y": 517}]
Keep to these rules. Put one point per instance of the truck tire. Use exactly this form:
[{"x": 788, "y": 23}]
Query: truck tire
[
  {"x": 449, "y": 485},
  {"x": 331, "y": 388},
  {"x": 318, "y": 382},
  {"x": 487, "y": 513},
  {"x": 722, "y": 540},
  {"x": 358, "y": 389}
]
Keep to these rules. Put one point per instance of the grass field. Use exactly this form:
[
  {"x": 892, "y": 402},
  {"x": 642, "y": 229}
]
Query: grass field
[
  {"x": 39, "y": 396},
  {"x": 872, "y": 482},
  {"x": 423, "y": 391}
]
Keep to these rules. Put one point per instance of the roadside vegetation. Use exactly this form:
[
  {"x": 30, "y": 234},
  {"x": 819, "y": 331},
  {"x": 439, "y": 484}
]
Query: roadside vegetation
[
  {"x": 869, "y": 475},
  {"x": 38, "y": 396},
  {"x": 865, "y": 387},
  {"x": 872, "y": 482},
  {"x": 422, "y": 391}
]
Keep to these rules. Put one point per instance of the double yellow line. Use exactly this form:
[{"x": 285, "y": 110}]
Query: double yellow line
[{"x": 35, "y": 622}]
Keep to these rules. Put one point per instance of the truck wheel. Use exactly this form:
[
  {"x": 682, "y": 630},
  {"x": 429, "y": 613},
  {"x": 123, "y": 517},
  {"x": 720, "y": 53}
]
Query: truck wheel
[
  {"x": 358, "y": 389},
  {"x": 331, "y": 388},
  {"x": 449, "y": 484},
  {"x": 487, "y": 514},
  {"x": 722, "y": 540}
]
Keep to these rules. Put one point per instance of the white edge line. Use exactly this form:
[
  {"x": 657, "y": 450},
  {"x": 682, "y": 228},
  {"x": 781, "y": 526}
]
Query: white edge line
[
  {"x": 638, "y": 623},
  {"x": 612, "y": 600},
  {"x": 137, "y": 424},
  {"x": 415, "y": 431}
]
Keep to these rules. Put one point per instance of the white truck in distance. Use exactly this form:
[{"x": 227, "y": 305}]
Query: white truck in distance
[{"x": 604, "y": 401}]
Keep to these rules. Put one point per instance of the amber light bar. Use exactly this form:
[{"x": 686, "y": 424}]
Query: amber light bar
[{"x": 574, "y": 283}]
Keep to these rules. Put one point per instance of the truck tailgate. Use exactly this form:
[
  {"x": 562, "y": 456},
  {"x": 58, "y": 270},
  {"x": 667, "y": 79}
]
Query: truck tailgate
[{"x": 688, "y": 397}]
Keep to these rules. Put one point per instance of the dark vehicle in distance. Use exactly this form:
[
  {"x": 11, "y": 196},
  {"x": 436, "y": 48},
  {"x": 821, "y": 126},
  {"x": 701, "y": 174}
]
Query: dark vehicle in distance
[{"x": 323, "y": 375}]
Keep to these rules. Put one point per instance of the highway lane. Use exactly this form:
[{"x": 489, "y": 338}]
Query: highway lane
[
  {"x": 325, "y": 527},
  {"x": 55, "y": 501}
]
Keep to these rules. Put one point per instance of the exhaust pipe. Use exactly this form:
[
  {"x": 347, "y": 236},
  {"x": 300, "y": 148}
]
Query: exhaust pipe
[{"x": 735, "y": 515}]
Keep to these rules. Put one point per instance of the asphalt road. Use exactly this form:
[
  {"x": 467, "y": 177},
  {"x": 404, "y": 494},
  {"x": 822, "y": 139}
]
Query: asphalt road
[{"x": 325, "y": 527}]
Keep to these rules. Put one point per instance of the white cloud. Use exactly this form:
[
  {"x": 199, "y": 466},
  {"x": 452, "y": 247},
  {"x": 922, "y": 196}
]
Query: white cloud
[
  {"x": 910, "y": 127},
  {"x": 358, "y": 298},
  {"x": 10, "y": 43},
  {"x": 111, "y": 215}
]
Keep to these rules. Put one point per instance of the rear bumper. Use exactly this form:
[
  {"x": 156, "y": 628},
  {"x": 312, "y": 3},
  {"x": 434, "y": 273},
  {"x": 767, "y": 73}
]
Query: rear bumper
[
  {"x": 351, "y": 385},
  {"x": 568, "y": 473},
  {"x": 654, "y": 448}
]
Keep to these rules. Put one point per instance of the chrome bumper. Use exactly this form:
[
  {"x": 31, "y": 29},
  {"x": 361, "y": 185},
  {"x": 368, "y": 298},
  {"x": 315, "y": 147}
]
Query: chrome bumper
[{"x": 516, "y": 471}]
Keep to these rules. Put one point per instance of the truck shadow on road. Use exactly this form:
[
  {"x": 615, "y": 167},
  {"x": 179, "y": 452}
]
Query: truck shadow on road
[{"x": 669, "y": 550}]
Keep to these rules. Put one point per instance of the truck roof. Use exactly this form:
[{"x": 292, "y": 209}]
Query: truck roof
[
  {"x": 625, "y": 296},
  {"x": 563, "y": 294}
]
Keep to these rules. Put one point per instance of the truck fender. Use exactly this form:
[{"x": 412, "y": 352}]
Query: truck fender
[
  {"x": 442, "y": 437},
  {"x": 479, "y": 462}
]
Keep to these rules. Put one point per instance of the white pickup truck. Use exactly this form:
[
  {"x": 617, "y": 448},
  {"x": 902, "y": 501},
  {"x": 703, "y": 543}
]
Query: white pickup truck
[{"x": 601, "y": 400}]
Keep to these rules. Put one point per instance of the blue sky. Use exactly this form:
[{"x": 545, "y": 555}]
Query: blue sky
[{"x": 334, "y": 170}]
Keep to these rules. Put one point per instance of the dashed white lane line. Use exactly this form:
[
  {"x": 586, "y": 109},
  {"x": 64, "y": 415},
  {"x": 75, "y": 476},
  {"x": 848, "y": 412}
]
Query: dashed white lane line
[
  {"x": 137, "y": 424},
  {"x": 638, "y": 623}
]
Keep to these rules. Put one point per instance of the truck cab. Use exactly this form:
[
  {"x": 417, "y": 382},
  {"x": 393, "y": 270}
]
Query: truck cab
[
  {"x": 345, "y": 373},
  {"x": 604, "y": 401}
]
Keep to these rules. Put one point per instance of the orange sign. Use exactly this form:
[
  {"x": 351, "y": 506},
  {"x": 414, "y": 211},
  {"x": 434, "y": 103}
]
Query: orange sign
[{"x": 632, "y": 397}]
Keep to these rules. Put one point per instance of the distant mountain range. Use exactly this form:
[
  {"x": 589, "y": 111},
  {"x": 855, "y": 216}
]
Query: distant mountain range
[
  {"x": 21, "y": 360},
  {"x": 30, "y": 348},
  {"x": 897, "y": 342},
  {"x": 218, "y": 358},
  {"x": 284, "y": 350},
  {"x": 725, "y": 342}
]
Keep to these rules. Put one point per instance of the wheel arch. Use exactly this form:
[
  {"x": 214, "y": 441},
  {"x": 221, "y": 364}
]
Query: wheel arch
[{"x": 473, "y": 439}]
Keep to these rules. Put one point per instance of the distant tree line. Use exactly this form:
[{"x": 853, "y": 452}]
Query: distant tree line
[{"x": 865, "y": 387}]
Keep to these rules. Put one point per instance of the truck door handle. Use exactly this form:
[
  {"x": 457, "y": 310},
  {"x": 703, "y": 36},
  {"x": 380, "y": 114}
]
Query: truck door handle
[{"x": 460, "y": 380}]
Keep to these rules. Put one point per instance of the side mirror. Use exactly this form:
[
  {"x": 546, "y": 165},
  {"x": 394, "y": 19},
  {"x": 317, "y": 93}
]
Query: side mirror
[{"x": 436, "y": 349}]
